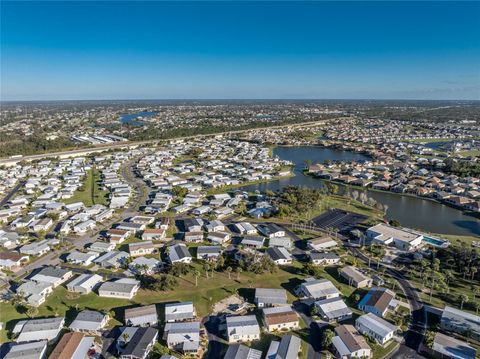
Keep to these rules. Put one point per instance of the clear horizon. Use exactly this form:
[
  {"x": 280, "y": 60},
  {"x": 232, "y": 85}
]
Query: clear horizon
[{"x": 94, "y": 51}]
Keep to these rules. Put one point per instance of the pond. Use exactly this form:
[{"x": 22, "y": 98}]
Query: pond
[
  {"x": 132, "y": 118},
  {"x": 412, "y": 212}
]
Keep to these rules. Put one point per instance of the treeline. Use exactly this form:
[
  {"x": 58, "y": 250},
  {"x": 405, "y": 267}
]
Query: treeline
[
  {"x": 462, "y": 168},
  {"x": 31, "y": 145}
]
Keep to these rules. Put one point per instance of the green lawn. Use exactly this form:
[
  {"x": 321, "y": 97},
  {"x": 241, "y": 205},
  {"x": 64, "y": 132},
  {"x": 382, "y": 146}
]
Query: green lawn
[
  {"x": 208, "y": 292},
  {"x": 90, "y": 193},
  {"x": 380, "y": 352},
  {"x": 469, "y": 153}
]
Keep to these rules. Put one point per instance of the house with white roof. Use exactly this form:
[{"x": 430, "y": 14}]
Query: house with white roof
[
  {"x": 179, "y": 312},
  {"x": 270, "y": 297},
  {"x": 385, "y": 234},
  {"x": 124, "y": 288},
  {"x": 457, "y": 321},
  {"x": 375, "y": 327},
  {"x": 89, "y": 321},
  {"x": 317, "y": 289},
  {"x": 333, "y": 309},
  {"x": 81, "y": 258},
  {"x": 242, "y": 328},
  {"x": 84, "y": 283},
  {"x": 30, "y": 350},
  {"x": 38, "y": 329},
  {"x": 142, "y": 316},
  {"x": 183, "y": 337}
]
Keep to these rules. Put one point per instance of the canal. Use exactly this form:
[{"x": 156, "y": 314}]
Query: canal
[{"x": 413, "y": 212}]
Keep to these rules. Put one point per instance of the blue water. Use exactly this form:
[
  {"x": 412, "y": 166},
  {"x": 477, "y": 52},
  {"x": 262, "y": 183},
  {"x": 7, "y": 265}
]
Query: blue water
[{"x": 131, "y": 119}]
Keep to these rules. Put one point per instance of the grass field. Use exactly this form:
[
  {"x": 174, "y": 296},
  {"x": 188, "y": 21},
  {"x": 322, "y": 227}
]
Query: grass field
[
  {"x": 91, "y": 192},
  {"x": 208, "y": 292}
]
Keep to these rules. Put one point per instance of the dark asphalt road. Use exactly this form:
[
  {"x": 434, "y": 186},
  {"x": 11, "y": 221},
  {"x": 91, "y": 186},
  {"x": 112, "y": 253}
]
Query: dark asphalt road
[{"x": 11, "y": 193}]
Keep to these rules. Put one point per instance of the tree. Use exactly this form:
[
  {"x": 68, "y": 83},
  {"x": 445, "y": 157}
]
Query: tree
[
  {"x": 394, "y": 223},
  {"x": 239, "y": 271},
  {"x": 463, "y": 299},
  {"x": 229, "y": 270},
  {"x": 327, "y": 338},
  {"x": 32, "y": 311},
  {"x": 429, "y": 338},
  {"x": 476, "y": 291},
  {"x": 206, "y": 268}
]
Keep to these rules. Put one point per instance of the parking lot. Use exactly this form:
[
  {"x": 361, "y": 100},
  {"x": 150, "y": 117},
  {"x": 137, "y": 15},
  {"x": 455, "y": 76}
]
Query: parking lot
[{"x": 341, "y": 220}]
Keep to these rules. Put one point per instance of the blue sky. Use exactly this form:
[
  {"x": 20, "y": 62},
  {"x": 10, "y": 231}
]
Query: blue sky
[{"x": 165, "y": 50}]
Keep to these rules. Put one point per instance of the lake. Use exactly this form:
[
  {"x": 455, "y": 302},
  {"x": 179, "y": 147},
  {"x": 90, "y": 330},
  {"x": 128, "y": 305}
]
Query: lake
[
  {"x": 413, "y": 212},
  {"x": 131, "y": 119}
]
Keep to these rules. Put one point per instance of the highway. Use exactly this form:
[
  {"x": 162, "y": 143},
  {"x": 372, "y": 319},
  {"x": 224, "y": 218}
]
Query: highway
[{"x": 129, "y": 144}]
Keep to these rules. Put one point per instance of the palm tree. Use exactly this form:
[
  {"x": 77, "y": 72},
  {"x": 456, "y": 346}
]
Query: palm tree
[
  {"x": 229, "y": 270},
  {"x": 197, "y": 274},
  {"x": 476, "y": 291},
  {"x": 477, "y": 307},
  {"x": 206, "y": 268},
  {"x": 239, "y": 270},
  {"x": 473, "y": 271},
  {"x": 463, "y": 299}
]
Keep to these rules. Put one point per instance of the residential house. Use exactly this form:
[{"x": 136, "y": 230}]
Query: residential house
[
  {"x": 282, "y": 242},
  {"x": 252, "y": 241},
  {"x": 156, "y": 234},
  {"x": 458, "y": 321},
  {"x": 280, "y": 318},
  {"x": 139, "y": 344},
  {"x": 375, "y": 327},
  {"x": 279, "y": 255},
  {"x": 324, "y": 258},
  {"x": 183, "y": 337},
  {"x": 112, "y": 259},
  {"x": 38, "y": 329},
  {"x": 267, "y": 297},
  {"x": 142, "y": 265},
  {"x": 385, "y": 234},
  {"x": 317, "y": 289},
  {"x": 240, "y": 351},
  {"x": 144, "y": 316},
  {"x": 12, "y": 260},
  {"x": 378, "y": 301},
  {"x": 81, "y": 258},
  {"x": 84, "y": 283},
  {"x": 333, "y": 310},
  {"x": 209, "y": 252},
  {"x": 348, "y": 343},
  {"x": 52, "y": 275},
  {"x": 242, "y": 328},
  {"x": 35, "y": 293},
  {"x": 73, "y": 346},
  {"x": 178, "y": 253},
  {"x": 124, "y": 288},
  {"x": 141, "y": 248},
  {"x": 31, "y": 350},
  {"x": 179, "y": 312},
  {"x": 355, "y": 278},
  {"x": 218, "y": 237},
  {"x": 321, "y": 244},
  {"x": 289, "y": 347},
  {"x": 446, "y": 346},
  {"x": 89, "y": 321}
]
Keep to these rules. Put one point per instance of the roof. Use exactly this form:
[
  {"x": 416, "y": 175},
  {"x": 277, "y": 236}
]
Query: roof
[
  {"x": 125, "y": 285},
  {"x": 85, "y": 280},
  {"x": 139, "y": 312},
  {"x": 72, "y": 346},
  {"x": 13, "y": 256},
  {"x": 179, "y": 311},
  {"x": 243, "y": 325},
  {"x": 45, "y": 328},
  {"x": 240, "y": 351},
  {"x": 379, "y": 298},
  {"x": 453, "y": 348},
  {"x": 55, "y": 272},
  {"x": 278, "y": 253},
  {"x": 287, "y": 348},
  {"x": 271, "y": 296},
  {"x": 317, "y": 288},
  {"x": 178, "y": 251},
  {"x": 354, "y": 273},
  {"x": 350, "y": 338},
  {"x": 323, "y": 255},
  {"x": 208, "y": 249},
  {"x": 333, "y": 307},
  {"x": 32, "y": 350},
  {"x": 387, "y": 231},
  {"x": 183, "y": 332},
  {"x": 376, "y": 324},
  {"x": 459, "y": 317},
  {"x": 139, "y": 342},
  {"x": 279, "y": 315},
  {"x": 88, "y": 320}
]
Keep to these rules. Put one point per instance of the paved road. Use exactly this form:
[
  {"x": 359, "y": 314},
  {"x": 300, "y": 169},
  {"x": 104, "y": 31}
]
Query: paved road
[
  {"x": 417, "y": 326},
  {"x": 11, "y": 193},
  {"x": 120, "y": 145}
]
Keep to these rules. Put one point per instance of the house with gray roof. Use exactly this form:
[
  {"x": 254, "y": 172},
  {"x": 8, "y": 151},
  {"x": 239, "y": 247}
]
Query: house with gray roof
[
  {"x": 283, "y": 242},
  {"x": 209, "y": 252},
  {"x": 458, "y": 321},
  {"x": 355, "y": 278},
  {"x": 288, "y": 347},
  {"x": 375, "y": 327},
  {"x": 179, "y": 312},
  {"x": 53, "y": 275},
  {"x": 178, "y": 253},
  {"x": 183, "y": 337},
  {"x": 36, "y": 248},
  {"x": 89, "y": 321},
  {"x": 317, "y": 289},
  {"x": 81, "y": 258},
  {"x": 279, "y": 255},
  {"x": 139, "y": 344},
  {"x": 446, "y": 346},
  {"x": 30, "y": 350},
  {"x": 268, "y": 297},
  {"x": 35, "y": 293},
  {"x": 242, "y": 328},
  {"x": 143, "y": 316},
  {"x": 101, "y": 247},
  {"x": 324, "y": 258},
  {"x": 84, "y": 283},
  {"x": 252, "y": 241},
  {"x": 38, "y": 329},
  {"x": 124, "y": 288},
  {"x": 240, "y": 351},
  {"x": 333, "y": 309},
  {"x": 112, "y": 259}
]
